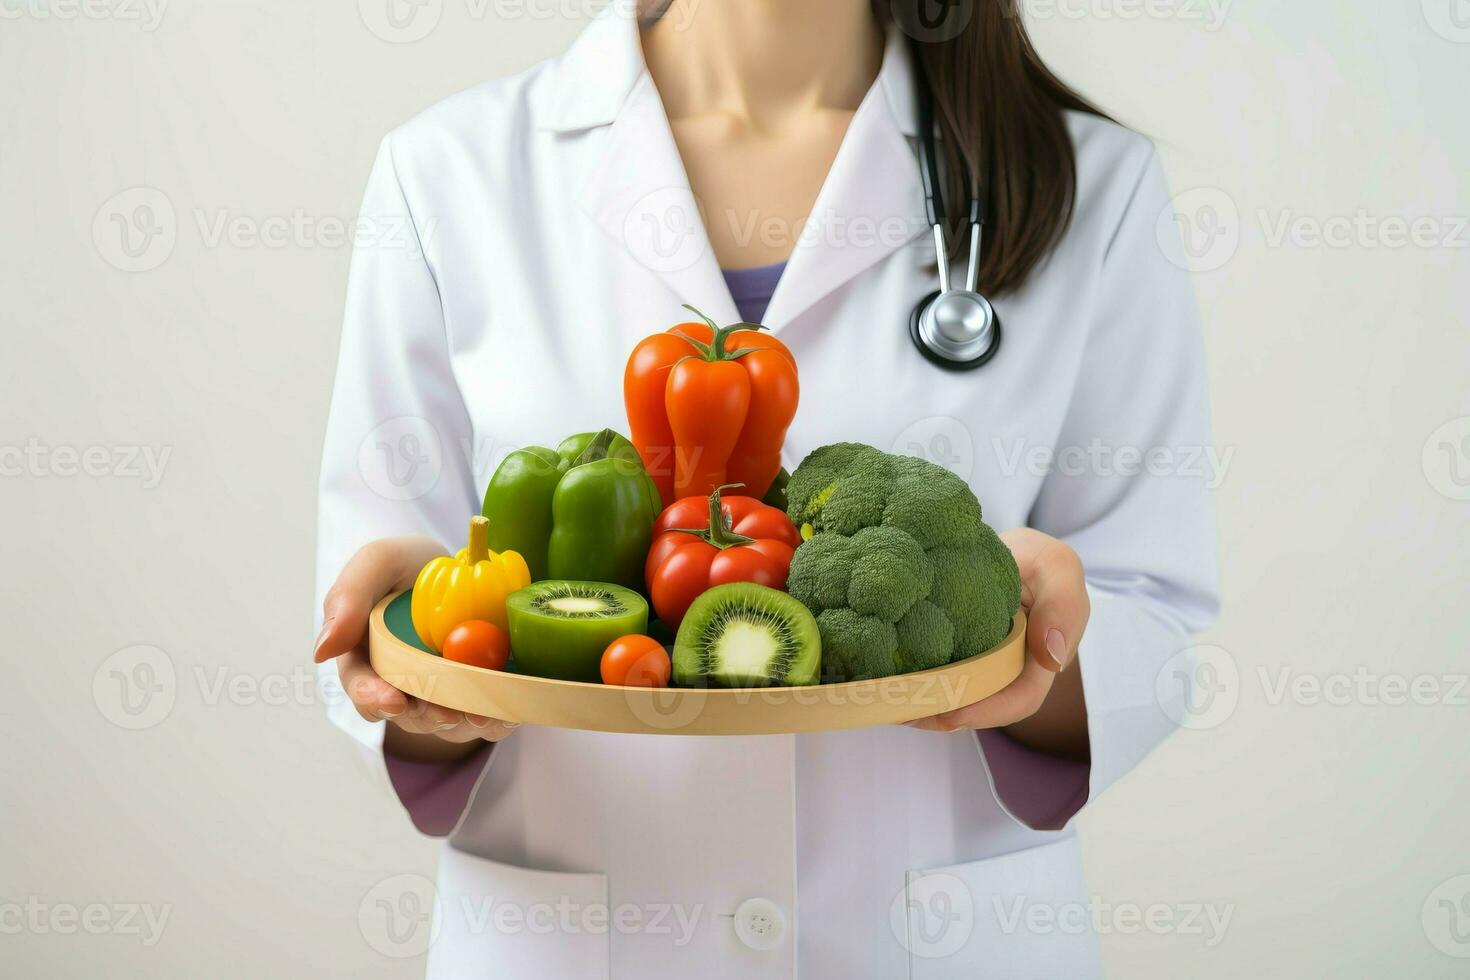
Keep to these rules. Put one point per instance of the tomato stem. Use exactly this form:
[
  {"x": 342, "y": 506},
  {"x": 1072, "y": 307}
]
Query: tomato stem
[
  {"x": 718, "y": 533},
  {"x": 715, "y": 350}
]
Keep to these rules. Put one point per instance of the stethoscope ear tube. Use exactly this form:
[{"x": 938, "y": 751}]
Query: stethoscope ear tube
[{"x": 963, "y": 334}]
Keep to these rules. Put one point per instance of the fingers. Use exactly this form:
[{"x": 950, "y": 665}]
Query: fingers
[
  {"x": 377, "y": 700},
  {"x": 374, "y": 698},
  {"x": 1054, "y": 593},
  {"x": 377, "y": 569},
  {"x": 423, "y": 718},
  {"x": 1016, "y": 702}
]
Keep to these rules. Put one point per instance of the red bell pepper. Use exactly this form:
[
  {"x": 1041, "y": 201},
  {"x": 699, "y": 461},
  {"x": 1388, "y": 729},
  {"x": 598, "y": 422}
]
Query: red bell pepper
[{"x": 709, "y": 406}]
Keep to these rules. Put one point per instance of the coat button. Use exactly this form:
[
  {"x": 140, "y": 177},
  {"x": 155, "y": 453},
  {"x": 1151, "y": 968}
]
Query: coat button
[{"x": 760, "y": 923}]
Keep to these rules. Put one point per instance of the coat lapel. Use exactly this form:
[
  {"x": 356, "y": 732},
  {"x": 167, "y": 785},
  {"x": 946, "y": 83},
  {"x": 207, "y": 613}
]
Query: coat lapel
[
  {"x": 637, "y": 190},
  {"x": 872, "y": 202},
  {"x": 638, "y": 193}
]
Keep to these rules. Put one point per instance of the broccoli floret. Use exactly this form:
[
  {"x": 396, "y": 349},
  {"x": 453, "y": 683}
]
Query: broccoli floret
[
  {"x": 925, "y": 638},
  {"x": 932, "y": 504},
  {"x": 889, "y": 573},
  {"x": 900, "y": 568},
  {"x": 820, "y": 580},
  {"x": 844, "y": 489},
  {"x": 855, "y": 647}
]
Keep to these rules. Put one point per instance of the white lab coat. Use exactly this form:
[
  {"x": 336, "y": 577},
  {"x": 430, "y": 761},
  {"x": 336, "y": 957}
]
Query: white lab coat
[{"x": 518, "y": 239}]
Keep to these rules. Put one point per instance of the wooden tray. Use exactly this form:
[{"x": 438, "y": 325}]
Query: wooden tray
[{"x": 399, "y": 657}]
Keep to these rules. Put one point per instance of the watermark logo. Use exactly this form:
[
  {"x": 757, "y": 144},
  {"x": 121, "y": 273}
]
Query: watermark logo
[
  {"x": 1199, "y": 687},
  {"x": 1446, "y": 459},
  {"x": 402, "y": 458},
  {"x": 934, "y": 916},
  {"x": 135, "y": 230},
  {"x": 939, "y": 439},
  {"x": 1446, "y": 917},
  {"x": 932, "y": 21},
  {"x": 1199, "y": 230},
  {"x": 136, "y": 687},
  {"x": 664, "y": 230},
  {"x": 400, "y": 916},
  {"x": 401, "y": 21},
  {"x": 1450, "y": 19}
]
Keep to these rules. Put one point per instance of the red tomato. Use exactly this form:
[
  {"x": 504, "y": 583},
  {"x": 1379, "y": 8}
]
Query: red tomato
[
  {"x": 636, "y": 661},
  {"x": 479, "y": 644},
  {"x": 701, "y": 542}
]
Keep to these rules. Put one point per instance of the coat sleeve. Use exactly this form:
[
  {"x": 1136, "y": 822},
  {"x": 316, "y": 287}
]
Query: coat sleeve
[
  {"x": 396, "y": 458},
  {"x": 1131, "y": 492}
]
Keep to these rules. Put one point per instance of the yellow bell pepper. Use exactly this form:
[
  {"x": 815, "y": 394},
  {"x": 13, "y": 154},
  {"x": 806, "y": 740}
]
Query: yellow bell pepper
[{"x": 472, "y": 585}]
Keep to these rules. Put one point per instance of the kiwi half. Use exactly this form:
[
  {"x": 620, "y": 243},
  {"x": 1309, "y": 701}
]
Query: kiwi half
[
  {"x": 745, "y": 635},
  {"x": 560, "y": 628}
]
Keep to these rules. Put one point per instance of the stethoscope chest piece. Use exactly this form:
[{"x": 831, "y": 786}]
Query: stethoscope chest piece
[{"x": 956, "y": 329}]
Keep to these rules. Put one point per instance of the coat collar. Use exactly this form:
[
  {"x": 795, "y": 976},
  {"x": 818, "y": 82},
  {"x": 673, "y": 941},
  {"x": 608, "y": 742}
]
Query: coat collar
[{"x": 637, "y": 190}]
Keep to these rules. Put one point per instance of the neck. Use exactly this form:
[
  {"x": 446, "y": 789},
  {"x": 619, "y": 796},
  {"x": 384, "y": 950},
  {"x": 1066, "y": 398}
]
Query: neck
[{"x": 763, "y": 62}]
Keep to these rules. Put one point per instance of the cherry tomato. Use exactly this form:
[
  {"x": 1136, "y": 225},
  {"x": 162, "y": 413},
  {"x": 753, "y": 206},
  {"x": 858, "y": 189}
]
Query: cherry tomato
[
  {"x": 636, "y": 661},
  {"x": 479, "y": 644}
]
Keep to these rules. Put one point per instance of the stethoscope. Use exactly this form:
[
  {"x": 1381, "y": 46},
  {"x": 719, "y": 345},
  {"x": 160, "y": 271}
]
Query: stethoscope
[{"x": 956, "y": 329}]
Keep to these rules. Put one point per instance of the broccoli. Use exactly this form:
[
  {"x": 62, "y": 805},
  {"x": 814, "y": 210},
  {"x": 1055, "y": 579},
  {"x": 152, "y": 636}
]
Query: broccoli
[{"x": 899, "y": 568}]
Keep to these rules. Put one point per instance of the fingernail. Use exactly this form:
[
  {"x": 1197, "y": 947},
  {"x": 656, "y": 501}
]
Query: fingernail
[
  {"x": 1056, "y": 646},
  {"x": 511, "y": 724},
  {"x": 321, "y": 638},
  {"x": 477, "y": 721},
  {"x": 385, "y": 713},
  {"x": 443, "y": 726}
]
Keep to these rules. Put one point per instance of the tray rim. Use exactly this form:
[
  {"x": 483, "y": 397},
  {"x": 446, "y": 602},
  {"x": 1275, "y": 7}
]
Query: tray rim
[{"x": 383, "y": 643}]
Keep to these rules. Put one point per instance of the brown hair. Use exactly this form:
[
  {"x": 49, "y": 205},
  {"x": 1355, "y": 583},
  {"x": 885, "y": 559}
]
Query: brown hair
[{"x": 999, "y": 111}]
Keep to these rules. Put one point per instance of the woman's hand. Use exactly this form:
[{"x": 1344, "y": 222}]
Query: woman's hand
[
  {"x": 419, "y": 731},
  {"x": 1043, "y": 708}
]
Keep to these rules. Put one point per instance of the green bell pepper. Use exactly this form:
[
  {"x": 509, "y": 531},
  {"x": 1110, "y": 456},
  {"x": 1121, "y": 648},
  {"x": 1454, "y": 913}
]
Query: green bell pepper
[{"x": 582, "y": 511}]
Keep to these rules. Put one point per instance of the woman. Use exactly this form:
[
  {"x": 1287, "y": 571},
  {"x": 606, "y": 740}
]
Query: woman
[{"x": 532, "y": 229}]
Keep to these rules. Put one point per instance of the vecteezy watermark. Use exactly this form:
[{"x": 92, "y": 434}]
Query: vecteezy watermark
[
  {"x": 1363, "y": 687},
  {"x": 1364, "y": 229},
  {"x": 1207, "y": 920},
  {"x": 135, "y": 230},
  {"x": 39, "y": 460},
  {"x": 401, "y": 916},
  {"x": 402, "y": 458},
  {"x": 942, "y": 440},
  {"x": 138, "y": 229},
  {"x": 664, "y": 230},
  {"x": 1445, "y": 917},
  {"x": 1201, "y": 229},
  {"x": 933, "y": 916},
  {"x": 1450, "y": 19},
  {"x": 1446, "y": 459},
  {"x": 1104, "y": 459},
  {"x": 299, "y": 229},
  {"x": 147, "y": 14},
  {"x": 1211, "y": 14},
  {"x": 1201, "y": 686},
  {"x": 405, "y": 914},
  {"x": 40, "y": 918},
  {"x": 1198, "y": 687},
  {"x": 136, "y": 687},
  {"x": 407, "y": 21},
  {"x": 139, "y": 686}
]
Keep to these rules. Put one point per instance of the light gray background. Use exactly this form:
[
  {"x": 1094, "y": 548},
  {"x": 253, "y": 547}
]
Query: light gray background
[{"x": 1329, "y": 827}]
